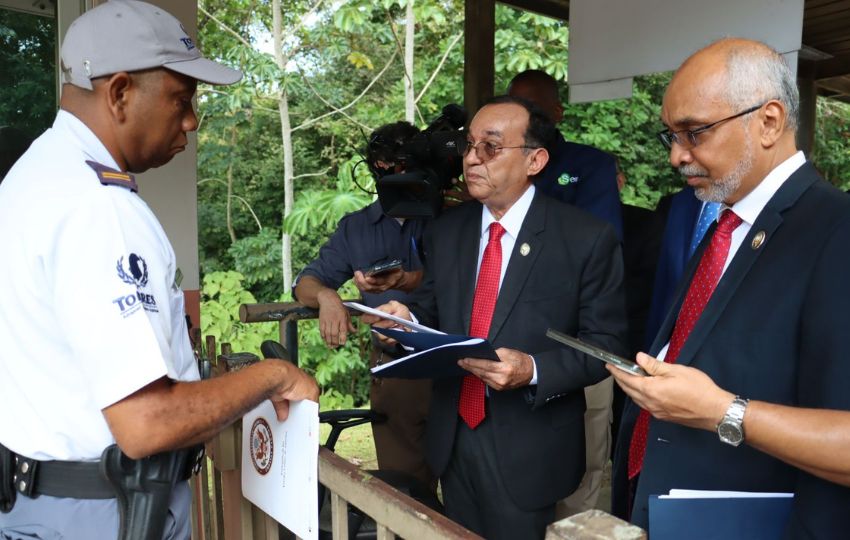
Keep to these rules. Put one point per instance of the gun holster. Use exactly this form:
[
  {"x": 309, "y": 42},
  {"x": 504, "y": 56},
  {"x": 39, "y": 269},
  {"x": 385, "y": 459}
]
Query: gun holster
[
  {"x": 143, "y": 487},
  {"x": 7, "y": 487}
]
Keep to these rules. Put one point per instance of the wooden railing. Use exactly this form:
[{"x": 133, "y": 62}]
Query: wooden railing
[{"x": 221, "y": 513}]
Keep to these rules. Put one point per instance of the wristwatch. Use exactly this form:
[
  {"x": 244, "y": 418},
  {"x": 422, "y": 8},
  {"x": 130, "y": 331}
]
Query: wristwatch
[{"x": 731, "y": 428}]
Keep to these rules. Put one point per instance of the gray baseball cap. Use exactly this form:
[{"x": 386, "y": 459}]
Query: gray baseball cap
[{"x": 128, "y": 35}]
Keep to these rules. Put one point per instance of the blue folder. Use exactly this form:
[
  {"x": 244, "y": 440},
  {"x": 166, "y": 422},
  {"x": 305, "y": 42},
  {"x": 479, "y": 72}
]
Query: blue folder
[
  {"x": 744, "y": 518},
  {"x": 435, "y": 355}
]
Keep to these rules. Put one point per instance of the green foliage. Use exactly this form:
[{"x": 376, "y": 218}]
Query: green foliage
[
  {"x": 333, "y": 400},
  {"x": 526, "y": 40},
  {"x": 221, "y": 296},
  {"x": 342, "y": 373},
  {"x": 335, "y": 55},
  {"x": 832, "y": 141},
  {"x": 28, "y": 73},
  {"x": 322, "y": 209},
  {"x": 258, "y": 259}
]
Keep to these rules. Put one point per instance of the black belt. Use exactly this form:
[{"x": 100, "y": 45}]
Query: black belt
[{"x": 77, "y": 479}]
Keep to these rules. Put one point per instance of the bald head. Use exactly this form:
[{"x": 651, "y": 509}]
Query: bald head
[
  {"x": 539, "y": 88},
  {"x": 731, "y": 114},
  {"x": 743, "y": 73}
]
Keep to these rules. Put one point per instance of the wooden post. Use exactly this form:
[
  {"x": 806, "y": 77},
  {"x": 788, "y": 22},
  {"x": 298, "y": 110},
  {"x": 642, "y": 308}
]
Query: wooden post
[
  {"x": 339, "y": 511},
  {"x": 479, "y": 52},
  {"x": 384, "y": 533},
  {"x": 594, "y": 525}
]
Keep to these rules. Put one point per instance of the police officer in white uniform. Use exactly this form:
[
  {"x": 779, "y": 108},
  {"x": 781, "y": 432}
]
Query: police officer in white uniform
[{"x": 93, "y": 342}]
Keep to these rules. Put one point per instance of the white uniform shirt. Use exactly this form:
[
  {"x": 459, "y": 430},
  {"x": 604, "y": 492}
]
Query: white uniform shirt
[{"x": 90, "y": 312}]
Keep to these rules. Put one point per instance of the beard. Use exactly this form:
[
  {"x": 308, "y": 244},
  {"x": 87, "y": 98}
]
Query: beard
[{"x": 720, "y": 189}]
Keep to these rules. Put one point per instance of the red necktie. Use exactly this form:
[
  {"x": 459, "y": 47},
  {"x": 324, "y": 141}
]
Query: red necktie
[
  {"x": 702, "y": 286},
  {"x": 471, "y": 404}
]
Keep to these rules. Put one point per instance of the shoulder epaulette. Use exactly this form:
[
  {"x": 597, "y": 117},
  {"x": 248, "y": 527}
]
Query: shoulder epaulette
[{"x": 110, "y": 177}]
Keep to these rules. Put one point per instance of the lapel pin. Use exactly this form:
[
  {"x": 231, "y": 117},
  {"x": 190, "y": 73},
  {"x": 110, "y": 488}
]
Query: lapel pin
[
  {"x": 758, "y": 239},
  {"x": 524, "y": 249}
]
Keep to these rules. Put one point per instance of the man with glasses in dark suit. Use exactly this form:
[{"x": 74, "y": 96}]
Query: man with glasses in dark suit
[
  {"x": 507, "y": 440},
  {"x": 755, "y": 347}
]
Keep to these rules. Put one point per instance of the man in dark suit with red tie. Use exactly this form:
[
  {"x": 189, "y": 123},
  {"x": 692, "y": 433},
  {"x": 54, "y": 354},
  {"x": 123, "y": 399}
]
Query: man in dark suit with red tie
[
  {"x": 507, "y": 440},
  {"x": 755, "y": 347}
]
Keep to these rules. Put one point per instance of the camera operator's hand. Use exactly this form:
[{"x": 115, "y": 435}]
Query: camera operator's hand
[
  {"x": 396, "y": 279},
  {"x": 334, "y": 319}
]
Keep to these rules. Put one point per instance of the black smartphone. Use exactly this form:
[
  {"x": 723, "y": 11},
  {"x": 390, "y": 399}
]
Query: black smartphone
[
  {"x": 609, "y": 358},
  {"x": 382, "y": 268}
]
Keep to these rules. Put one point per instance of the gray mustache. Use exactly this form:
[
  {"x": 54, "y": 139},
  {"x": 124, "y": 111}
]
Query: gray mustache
[{"x": 692, "y": 170}]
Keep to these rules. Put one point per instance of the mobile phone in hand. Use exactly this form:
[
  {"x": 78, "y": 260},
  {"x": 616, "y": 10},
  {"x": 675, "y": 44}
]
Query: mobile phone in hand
[
  {"x": 382, "y": 268},
  {"x": 609, "y": 358}
]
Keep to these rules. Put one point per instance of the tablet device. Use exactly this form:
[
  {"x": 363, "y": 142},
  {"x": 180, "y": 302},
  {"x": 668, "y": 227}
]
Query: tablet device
[
  {"x": 617, "y": 361},
  {"x": 382, "y": 268}
]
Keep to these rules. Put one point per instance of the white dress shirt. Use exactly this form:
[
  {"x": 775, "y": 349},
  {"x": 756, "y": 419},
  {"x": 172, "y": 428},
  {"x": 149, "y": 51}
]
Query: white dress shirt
[{"x": 512, "y": 223}]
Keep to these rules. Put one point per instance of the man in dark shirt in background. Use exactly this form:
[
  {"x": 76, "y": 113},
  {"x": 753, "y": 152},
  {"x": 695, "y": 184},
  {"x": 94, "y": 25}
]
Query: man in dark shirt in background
[{"x": 363, "y": 239}]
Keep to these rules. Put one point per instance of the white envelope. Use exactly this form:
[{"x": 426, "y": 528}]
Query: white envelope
[{"x": 280, "y": 465}]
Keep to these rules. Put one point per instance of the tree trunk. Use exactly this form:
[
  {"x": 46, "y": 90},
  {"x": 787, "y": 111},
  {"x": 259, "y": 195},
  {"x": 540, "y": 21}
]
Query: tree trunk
[
  {"x": 288, "y": 196},
  {"x": 409, "y": 95},
  {"x": 286, "y": 138},
  {"x": 229, "y": 203}
]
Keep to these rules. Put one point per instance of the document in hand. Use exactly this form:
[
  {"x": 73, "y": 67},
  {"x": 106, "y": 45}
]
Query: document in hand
[
  {"x": 280, "y": 465},
  {"x": 435, "y": 355},
  {"x": 726, "y": 515},
  {"x": 398, "y": 320}
]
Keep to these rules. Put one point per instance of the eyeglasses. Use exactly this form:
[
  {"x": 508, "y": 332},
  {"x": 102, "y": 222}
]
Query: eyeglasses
[
  {"x": 485, "y": 150},
  {"x": 687, "y": 138}
]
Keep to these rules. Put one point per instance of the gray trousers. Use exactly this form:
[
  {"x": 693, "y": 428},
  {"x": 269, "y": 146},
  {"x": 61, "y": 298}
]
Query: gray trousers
[
  {"x": 52, "y": 518},
  {"x": 597, "y": 436}
]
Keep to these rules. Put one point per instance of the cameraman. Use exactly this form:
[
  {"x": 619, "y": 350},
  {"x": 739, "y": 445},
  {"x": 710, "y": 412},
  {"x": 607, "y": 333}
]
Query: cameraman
[{"x": 363, "y": 239}]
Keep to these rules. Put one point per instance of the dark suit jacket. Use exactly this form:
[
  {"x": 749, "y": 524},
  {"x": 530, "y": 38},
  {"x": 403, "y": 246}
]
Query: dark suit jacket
[
  {"x": 641, "y": 245},
  {"x": 682, "y": 212},
  {"x": 776, "y": 329},
  {"x": 570, "y": 280},
  {"x": 585, "y": 177}
]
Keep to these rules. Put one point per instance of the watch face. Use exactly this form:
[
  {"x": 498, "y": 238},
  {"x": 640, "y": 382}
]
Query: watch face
[{"x": 730, "y": 433}]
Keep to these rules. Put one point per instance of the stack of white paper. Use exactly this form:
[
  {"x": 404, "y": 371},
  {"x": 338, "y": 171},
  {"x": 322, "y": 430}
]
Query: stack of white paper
[{"x": 280, "y": 465}]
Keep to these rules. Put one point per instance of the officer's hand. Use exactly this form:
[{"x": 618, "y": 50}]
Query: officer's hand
[
  {"x": 515, "y": 369},
  {"x": 295, "y": 385},
  {"x": 334, "y": 320}
]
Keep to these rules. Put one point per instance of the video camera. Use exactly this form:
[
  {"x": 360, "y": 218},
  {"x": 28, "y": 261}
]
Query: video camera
[{"x": 412, "y": 168}]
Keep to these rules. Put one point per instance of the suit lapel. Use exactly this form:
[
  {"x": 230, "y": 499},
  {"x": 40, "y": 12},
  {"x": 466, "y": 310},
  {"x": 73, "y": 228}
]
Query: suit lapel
[
  {"x": 767, "y": 223},
  {"x": 520, "y": 263},
  {"x": 466, "y": 265}
]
